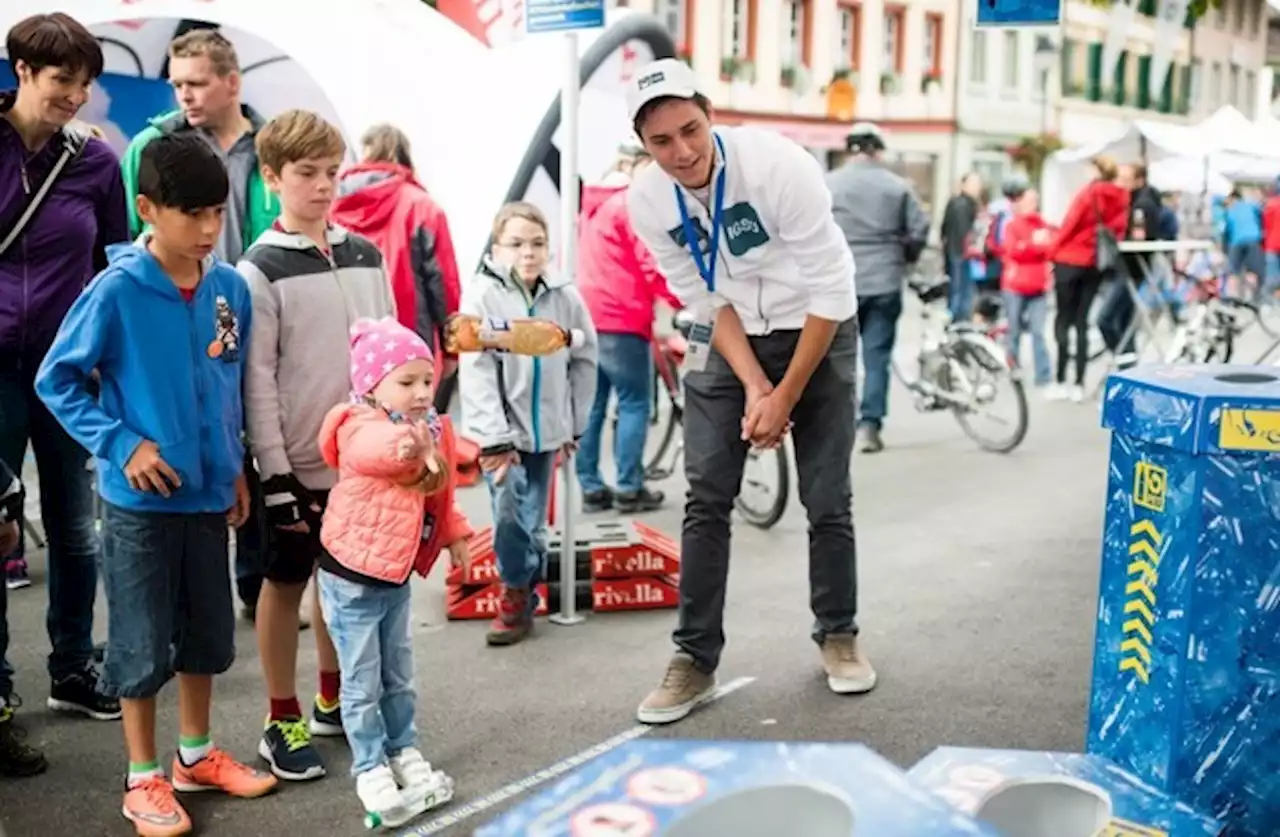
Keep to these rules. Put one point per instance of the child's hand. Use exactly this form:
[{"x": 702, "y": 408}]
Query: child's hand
[
  {"x": 146, "y": 470},
  {"x": 460, "y": 555},
  {"x": 239, "y": 513},
  {"x": 410, "y": 446}
]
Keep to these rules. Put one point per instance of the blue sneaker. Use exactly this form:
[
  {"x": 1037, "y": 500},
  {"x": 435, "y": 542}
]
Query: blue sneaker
[
  {"x": 286, "y": 746},
  {"x": 326, "y": 724}
]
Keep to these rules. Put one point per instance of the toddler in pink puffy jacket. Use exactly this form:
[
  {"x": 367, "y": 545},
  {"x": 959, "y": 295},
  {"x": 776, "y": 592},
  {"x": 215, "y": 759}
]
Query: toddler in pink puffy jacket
[{"x": 390, "y": 515}]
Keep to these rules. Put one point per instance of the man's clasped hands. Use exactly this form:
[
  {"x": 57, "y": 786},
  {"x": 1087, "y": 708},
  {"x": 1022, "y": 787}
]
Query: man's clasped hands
[{"x": 766, "y": 419}]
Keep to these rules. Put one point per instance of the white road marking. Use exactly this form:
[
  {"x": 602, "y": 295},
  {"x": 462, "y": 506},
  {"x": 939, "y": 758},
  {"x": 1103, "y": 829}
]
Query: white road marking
[{"x": 468, "y": 810}]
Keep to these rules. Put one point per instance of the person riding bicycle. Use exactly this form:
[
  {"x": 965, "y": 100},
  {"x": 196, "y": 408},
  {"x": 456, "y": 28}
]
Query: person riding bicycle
[
  {"x": 886, "y": 229},
  {"x": 739, "y": 221}
]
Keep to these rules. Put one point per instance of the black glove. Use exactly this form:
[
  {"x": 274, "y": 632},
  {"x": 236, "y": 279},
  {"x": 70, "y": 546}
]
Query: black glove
[
  {"x": 11, "y": 502},
  {"x": 288, "y": 502}
]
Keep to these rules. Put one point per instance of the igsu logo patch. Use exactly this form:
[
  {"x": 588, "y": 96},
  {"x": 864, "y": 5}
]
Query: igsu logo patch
[
  {"x": 743, "y": 229},
  {"x": 651, "y": 79}
]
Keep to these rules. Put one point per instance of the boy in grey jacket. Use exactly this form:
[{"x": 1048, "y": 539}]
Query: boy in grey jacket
[
  {"x": 310, "y": 282},
  {"x": 521, "y": 410}
]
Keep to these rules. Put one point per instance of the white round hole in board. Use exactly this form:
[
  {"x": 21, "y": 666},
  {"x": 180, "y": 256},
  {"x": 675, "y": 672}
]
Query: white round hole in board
[
  {"x": 1046, "y": 807},
  {"x": 769, "y": 811}
]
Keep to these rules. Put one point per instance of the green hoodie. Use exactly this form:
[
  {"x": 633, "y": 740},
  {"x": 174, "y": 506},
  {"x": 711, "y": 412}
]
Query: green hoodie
[{"x": 263, "y": 205}]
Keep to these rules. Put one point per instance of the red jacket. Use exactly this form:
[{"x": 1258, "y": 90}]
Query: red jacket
[
  {"x": 1271, "y": 225},
  {"x": 385, "y": 203},
  {"x": 1077, "y": 240},
  {"x": 617, "y": 276},
  {"x": 1025, "y": 258}
]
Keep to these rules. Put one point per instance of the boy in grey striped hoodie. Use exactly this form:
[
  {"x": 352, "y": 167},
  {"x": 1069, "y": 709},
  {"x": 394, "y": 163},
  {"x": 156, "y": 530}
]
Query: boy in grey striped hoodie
[{"x": 310, "y": 281}]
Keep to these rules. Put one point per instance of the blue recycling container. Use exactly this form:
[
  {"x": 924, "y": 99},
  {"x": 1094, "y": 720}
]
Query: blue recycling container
[{"x": 1186, "y": 670}]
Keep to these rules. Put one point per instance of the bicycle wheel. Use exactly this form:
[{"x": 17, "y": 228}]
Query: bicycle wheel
[
  {"x": 977, "y": 368},
  {"x": 773, "y": 466},
  {"x": 667, "y": 417}
]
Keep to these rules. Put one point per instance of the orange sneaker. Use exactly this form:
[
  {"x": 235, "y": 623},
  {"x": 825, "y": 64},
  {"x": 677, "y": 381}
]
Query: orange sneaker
[
  {"x": 154, "y": 811},
  {"x": 218, "y": 771}
]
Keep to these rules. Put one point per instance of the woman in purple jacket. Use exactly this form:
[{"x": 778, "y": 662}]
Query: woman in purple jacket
[{"x": 42, "y": 270}]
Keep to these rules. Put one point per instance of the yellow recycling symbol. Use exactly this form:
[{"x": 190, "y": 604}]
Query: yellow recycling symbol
[{"x": 1140, "y": 598}]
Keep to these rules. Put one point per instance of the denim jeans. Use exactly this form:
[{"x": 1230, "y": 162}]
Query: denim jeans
[
  {"x": 519, "y": 518},
  {"x": 878, "y": 324},
  {"x": 1116, "y": 316},
  {"x": 169, "y": 606},
  {"x": 371, "y": 630},
  {"x": 1035, "y": 311},
  {"x": 1271, "y": 279},
  {"x": 714, "y": 459},
  {"x": 960, "y": 291},
  {"x": 626, "y": 367},
  {"x": 66, "y": 510}
]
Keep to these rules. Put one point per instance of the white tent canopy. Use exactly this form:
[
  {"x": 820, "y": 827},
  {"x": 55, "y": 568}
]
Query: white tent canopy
[
  {"x": 470, "y": 112},
  {"x": 1185, "y": 158}
]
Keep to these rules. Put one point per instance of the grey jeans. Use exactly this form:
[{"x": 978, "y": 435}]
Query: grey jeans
[{"x": 825, "y": 424}]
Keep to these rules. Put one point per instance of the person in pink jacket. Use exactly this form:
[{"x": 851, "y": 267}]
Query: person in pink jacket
[
  {"x": 390, "y": 515},
  {"x": 620, "y": 284}
]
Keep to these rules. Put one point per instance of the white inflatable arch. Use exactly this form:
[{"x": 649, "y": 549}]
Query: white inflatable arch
[{"x": 483, "y": 122}]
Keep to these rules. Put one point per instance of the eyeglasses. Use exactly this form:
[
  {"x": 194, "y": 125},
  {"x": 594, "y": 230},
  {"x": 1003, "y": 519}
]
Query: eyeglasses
[{"x": 537, "y": 245}]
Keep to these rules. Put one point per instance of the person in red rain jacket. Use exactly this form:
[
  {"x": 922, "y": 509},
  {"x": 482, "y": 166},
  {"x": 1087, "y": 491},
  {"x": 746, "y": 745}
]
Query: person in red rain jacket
[
  {"x": 1025, "y": 279},
  {"x": 1076, "y": 278},
  {"x": 381, "y": 199},
  {"x": 620, "y": 284},
  {"x": 1271, "y": 241}
]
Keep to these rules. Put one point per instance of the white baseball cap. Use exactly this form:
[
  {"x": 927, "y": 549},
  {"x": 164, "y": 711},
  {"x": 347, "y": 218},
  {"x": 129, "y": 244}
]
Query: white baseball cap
[{"x": 660, "y": 79}]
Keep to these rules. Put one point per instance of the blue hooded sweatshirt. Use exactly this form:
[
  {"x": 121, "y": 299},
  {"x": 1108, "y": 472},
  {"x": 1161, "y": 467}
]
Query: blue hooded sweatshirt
[{"x": 170, "y": 373}]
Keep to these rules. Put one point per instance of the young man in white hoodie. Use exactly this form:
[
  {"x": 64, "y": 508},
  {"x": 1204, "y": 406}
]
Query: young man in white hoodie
[{"x": 772, "y": 281}]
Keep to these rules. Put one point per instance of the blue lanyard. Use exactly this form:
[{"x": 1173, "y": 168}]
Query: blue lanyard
[{"x": 707, "y": 271}]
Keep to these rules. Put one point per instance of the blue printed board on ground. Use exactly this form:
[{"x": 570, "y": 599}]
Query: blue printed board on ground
[
  {"x": 1019, "y": 12},
  {"x": 1029, "y": 787},
  {"x": 1186, "y": 673},
  {"x": 735, "y": 789},
  {"x": 562, "y": 15}
]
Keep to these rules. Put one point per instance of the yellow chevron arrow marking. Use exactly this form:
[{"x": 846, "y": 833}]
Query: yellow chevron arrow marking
[
  {"x": 1139, "y": 607},
  {"x": 1135, "y": 665},
  {"x": 1148, "y": 572},
  {"x": 1138, "y": 648},
  {"x": 1140, "y": 587},
  {"x": 1146, "y": 527},
  {"x": 1136, "y": 626},
  {"x": 1124, "y": 828},
  {"x": 1145, "y": 548}
]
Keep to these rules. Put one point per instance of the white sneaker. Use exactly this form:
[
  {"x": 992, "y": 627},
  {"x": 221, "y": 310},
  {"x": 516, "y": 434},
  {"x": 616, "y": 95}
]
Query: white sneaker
[
  {"x": 1076, "y": 394},
  {"x": 377, "y": 790},
  {"x": 410, "y": 768}
]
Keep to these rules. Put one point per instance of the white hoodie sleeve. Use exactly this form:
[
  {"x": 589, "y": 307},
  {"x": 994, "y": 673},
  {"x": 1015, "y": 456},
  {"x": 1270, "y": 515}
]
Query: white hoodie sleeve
[
  {"x": 674, "y": 262},
  {"x": 801, "y": 206}
]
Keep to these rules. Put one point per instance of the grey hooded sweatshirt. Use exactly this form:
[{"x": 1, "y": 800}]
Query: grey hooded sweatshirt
[{"x": 535, "y": 404}]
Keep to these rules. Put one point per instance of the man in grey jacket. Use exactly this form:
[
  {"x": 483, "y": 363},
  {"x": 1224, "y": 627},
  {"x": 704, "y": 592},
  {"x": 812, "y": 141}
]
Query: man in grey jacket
[{"x": 886, "y": 229}]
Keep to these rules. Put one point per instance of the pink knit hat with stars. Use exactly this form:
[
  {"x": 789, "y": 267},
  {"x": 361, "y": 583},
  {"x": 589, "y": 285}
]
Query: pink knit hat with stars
[{"x": 378, "y": 347}]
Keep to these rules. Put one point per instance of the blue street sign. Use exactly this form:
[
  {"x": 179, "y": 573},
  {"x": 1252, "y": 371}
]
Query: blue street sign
[
  {"x": 1019, "y": 12},
  {"x": 562, "y": 15}
]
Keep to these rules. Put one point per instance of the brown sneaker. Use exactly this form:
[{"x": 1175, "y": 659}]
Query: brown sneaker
[
  {"x": 848, "y": 672},
  {"x": 514, "y": 620},
  {"x": 683, "y": 689}
]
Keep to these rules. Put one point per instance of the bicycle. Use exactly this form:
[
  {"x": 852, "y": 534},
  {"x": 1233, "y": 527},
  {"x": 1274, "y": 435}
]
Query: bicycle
[
  {"x": 668, "y": 412},
  {"x": 961, "y": 367}
]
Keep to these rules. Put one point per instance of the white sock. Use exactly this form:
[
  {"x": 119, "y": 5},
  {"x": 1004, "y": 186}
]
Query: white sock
[
  {"x": 192, "y": 754},
  {"x": 141, "y": 774}
]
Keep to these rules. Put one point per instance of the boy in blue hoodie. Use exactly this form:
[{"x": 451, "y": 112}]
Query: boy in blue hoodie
[{"x": 163, "y": 328}]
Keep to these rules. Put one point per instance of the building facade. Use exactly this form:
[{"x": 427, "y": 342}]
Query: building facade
[
  {"x": 1052, "y": 80},
  {"x": 776, "y": 62}
]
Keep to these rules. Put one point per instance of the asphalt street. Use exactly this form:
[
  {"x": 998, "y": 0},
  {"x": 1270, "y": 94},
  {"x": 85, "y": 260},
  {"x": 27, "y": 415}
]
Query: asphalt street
[{"x": 978, "y": 576}]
